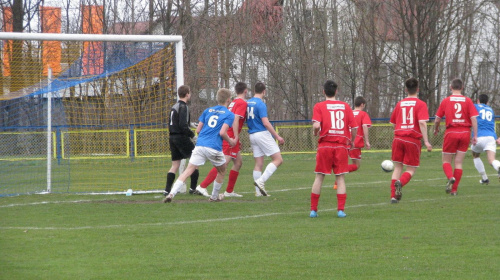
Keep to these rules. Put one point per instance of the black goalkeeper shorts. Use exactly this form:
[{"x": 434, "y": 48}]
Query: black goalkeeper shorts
[{"x": 181, "y": 147}]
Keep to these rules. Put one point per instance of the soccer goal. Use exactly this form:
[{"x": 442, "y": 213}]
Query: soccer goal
[{"x": 86, "y": 113}]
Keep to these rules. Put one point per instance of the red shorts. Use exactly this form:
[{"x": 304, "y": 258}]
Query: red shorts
[
  {"x": 232, "y": 152},
  {"x": 406, "y": 151},
  {"x": 456, "y": 141},
  {"x": 355, "y": 153},
  {"x": 332, "y": 157}
]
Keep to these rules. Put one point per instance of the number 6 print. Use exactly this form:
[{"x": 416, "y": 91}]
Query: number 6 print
[{"x": 212, "y": 122}]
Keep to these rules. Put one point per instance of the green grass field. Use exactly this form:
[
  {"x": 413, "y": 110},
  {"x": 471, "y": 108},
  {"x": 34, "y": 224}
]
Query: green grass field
[{"x": 429, "y": 235}]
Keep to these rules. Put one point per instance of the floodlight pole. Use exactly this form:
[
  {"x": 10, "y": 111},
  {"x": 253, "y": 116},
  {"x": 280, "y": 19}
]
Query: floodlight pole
[{"x": 49, "y": 131}]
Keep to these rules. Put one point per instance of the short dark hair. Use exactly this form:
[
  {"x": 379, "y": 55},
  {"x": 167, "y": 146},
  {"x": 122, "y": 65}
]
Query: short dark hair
[
  {"x": 457, "y": 84},
  {"x": 411, "y": 85},
  {"x": 359, "y": 100},
  {"x": 260, "y": 87},
  {"x": 483, "y": 98},
  {"x": 183, "y": 91},
  {"x": 330, "y": 88},
  {"x": 240, "y": 87}
]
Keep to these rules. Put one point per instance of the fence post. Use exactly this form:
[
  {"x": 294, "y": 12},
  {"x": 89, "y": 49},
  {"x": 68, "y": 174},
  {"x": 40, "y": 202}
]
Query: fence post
[
  {"x": 132, "y": 143},
  {"x": 49, "y": 131}
]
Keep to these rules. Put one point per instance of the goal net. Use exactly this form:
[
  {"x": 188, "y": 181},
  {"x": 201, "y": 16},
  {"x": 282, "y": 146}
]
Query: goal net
[{"x": 86, "y": 113}]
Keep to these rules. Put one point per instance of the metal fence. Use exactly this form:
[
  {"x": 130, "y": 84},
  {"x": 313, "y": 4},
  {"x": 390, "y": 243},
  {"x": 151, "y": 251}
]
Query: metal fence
[{"x": 129, "y": 143}]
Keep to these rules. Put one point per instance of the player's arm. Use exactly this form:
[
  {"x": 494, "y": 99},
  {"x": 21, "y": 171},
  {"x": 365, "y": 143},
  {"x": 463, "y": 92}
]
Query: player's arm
[
  {"x": 236, "y": 124},
  {"x": 223, "y": 134},
  {"x": 199, "y": 127},
  {"x": 183, "y": 122},
  {"x": 270, "y": 128},
  {"x": 354, "y": 132},
  {"x": 317, "y": 128},
  {"x": 366, "y": 136},
  {"x": 423, "y": 129},
  {"x": 474, "y": 129},
  {"x": 437, "y": 121}
]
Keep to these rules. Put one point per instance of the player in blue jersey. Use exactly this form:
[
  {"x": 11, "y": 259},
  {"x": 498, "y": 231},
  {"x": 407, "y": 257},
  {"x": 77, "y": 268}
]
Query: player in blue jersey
[
  {"x": 486, "y": 138},
  {"x": 261, "y": 139},
  {"x": 212, "y": 129}
]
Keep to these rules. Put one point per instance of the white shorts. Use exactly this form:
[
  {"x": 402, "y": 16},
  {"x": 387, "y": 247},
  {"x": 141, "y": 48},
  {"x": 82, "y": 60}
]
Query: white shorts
[
  {"x": 201, "y": 154},
  {"x": 485, "y": 143},
  {"x": 263, "y": 143}
]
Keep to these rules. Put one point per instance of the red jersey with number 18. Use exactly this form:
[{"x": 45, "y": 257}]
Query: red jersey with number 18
[
  {"x": 336, "y": 119},
  {"x": 239, "y": 108},
  {"x": 406, "y": 116}
]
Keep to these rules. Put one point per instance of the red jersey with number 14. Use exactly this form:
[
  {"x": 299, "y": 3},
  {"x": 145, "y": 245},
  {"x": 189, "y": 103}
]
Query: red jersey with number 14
[
  {"x": 406, "y": 116},
  {"x": 336, "y": 119},
  {"x": 239, "y": 108}
]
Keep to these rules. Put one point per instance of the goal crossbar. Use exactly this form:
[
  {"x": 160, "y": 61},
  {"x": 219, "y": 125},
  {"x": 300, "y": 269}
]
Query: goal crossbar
[
  {"x": 177, "y": 39},
  {"x": 89, "y": 37}
]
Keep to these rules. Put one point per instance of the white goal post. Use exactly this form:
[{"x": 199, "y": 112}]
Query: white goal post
[{"x": 19, "y": 36}]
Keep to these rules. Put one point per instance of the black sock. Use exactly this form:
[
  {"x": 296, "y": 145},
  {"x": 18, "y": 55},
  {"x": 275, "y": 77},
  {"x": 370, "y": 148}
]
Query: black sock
[
  {"x": 194, "y": 179},
  {"x": 170, "y": 182}
]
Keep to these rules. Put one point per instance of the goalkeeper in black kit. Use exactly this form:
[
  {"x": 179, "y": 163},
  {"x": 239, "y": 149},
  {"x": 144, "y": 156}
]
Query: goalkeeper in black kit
[{"x": 180, "y": 136}]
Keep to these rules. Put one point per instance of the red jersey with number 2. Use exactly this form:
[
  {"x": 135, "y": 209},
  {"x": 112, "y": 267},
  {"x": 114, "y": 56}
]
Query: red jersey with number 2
[
  {"x": 406, "y": 116},
  {"x": 239, "y": 108},
  {"x": 458, "y": 110},
  {"x": 336, "y": 119},
  {"x": 363, "y": 119}
]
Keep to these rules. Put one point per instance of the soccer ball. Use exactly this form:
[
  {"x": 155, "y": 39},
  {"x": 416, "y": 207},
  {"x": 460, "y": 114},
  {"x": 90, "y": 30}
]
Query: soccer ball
[{"x": 387, "y": 165}]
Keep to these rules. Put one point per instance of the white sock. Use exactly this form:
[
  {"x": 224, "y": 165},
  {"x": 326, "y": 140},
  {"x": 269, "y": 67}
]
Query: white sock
[
  {"x": 256, "y": 175},
  {"x": 176, "y": 187},
  {"x": 496, "y": 164},
  {"x": 270, "y": 168},
  {"x": 478, "y": 163},
  {"x": 215, "y": 191}
]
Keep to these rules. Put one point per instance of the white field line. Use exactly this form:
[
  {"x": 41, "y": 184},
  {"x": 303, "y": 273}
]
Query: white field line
[
  {"x": 199, "y": 221},
  {"x": 304, "y": 213},
  {"x": 220, "y": 219},
  {"x": 357, "y": 185},
  {"x": 363, "y": 185}
]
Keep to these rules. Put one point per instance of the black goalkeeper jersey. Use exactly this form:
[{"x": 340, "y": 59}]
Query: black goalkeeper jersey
[{"x": 179, "y": 120}]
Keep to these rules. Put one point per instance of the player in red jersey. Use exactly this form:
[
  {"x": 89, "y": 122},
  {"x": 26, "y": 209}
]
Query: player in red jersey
[
  {"x": 409, "y": 118},
  {"x": 362, "y": 138},
  {"x": 239, "y": 107},
  {"x": 333, "y": 121},
  {"x": 460, "y": 114}
]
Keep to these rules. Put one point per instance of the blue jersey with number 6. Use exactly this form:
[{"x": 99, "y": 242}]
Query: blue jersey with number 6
[
  {"x": 256, "y": 110},
  {"x": 485, "y": 121},
  {"x": 213, "y": 119}
]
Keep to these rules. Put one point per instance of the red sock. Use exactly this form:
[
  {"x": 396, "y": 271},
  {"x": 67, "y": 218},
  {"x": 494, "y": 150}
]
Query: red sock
[
  {"x": 352, "y": 167},
  {"x": 458, "y": 175},
  {"x": 209, "y": 179},
  {"x": 393, "y": 188},
  {"x": 233, "y": 176},
  {"x": 448, "y": 170},
  {"x": 314, "y": 201},
  {"x": 405, "y": 178},
  {"x": 341, "y": 201}
]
